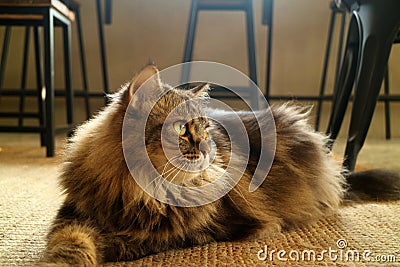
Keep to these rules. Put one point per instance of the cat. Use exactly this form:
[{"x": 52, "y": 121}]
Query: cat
[{"x": 107, "y": 216}]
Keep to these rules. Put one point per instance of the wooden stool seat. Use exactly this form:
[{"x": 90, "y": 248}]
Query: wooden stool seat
[{"x": 56, "y": 4}]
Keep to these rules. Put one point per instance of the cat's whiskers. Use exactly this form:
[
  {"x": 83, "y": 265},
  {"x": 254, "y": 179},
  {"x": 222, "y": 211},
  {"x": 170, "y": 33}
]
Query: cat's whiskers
[
  {"x": 134, "y": 200},
  {"x": 169, "y": 161},
  {"x": 169, "y": 172},
  {"x": 184, "y": 165}
]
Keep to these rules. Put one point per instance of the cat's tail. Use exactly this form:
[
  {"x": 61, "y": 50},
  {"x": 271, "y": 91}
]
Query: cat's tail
[{"x": 373, "y": 185}]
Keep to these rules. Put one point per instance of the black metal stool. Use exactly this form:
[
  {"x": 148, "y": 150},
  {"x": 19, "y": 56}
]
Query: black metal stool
[
  {"x": 373, "y": 27},
  {"x": 223, "y": 5},
  {"x": 46, "y": 14}
]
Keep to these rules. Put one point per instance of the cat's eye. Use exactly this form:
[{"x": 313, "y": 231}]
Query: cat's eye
[{"x": 180, "y": 127}]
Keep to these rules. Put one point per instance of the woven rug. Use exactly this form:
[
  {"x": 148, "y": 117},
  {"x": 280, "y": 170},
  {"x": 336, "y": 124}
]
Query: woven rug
[{"x": 360, "y": 235}]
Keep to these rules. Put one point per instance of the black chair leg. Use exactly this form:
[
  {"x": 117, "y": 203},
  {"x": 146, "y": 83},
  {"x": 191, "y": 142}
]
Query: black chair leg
[
  {"x": 102, "y": 48},
  {"x": 378, "y": 28},
  {"x": 345, "y": 81},
  {"x": 39, "y": 82},
  {"x": 48, "y": 29},
  {"x": 251, "y": 51},
  {"x": 190, "y": 35},
  {"x": 24, "y": 73},
  {"x": 4, "y": 54},
  {"x": 387, "y": 104},
  {"x": 83, "y": 62}
]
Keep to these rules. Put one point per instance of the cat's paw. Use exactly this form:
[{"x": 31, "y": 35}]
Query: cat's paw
[{"x": 72, "y": 245}]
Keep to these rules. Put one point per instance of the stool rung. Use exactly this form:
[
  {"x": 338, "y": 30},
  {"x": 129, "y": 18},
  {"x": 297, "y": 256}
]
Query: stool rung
[
  {"x": 22, "y": 129},
  {"x": 19, "y": 114}
]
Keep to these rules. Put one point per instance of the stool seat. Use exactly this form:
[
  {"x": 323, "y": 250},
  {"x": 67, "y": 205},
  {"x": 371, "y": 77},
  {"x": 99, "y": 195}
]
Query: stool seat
[{"x": 56, "y": 4}]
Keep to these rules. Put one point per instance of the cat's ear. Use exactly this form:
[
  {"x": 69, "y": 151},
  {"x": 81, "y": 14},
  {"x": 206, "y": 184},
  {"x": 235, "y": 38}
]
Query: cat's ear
[
  {"x": 201, "y": 90},
  {"x": 148, "y": 77}
]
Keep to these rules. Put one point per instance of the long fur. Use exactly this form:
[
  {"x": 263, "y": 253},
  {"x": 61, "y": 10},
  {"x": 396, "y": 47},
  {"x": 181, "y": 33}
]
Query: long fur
[{"x": 106, "y": 216}]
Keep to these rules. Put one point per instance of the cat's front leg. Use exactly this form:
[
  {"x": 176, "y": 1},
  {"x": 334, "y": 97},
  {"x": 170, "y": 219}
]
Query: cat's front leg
[{"x": 73, "y": 244}]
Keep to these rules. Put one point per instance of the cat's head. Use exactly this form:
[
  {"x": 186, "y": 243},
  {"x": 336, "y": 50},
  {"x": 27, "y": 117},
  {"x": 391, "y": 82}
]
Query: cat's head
[{"x": 176, "y": 128}]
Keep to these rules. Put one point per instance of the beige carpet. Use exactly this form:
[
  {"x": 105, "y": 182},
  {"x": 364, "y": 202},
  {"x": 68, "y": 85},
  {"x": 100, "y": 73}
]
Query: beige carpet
[{"x": 29, "y": 198}]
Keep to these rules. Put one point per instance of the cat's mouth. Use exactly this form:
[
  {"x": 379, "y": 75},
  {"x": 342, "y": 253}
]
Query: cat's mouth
[{"x": 195, "y": 163}]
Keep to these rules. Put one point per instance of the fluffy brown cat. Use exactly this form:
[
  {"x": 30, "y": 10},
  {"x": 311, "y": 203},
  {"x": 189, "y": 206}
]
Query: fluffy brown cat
[{"x": 106, "y": 216}]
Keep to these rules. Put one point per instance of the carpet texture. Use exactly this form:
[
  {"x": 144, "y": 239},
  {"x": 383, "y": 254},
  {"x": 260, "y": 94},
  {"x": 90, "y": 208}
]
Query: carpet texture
[{"x": 29, "y": 198}]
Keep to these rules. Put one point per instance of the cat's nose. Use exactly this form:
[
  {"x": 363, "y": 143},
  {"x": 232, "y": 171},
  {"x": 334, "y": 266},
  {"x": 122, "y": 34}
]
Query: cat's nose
[{"x": 204, "y": 148}]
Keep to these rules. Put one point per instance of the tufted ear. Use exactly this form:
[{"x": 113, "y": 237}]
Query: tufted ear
[
  {"x": 149, "y": 78},
  {"x": 201, "y": 90}
]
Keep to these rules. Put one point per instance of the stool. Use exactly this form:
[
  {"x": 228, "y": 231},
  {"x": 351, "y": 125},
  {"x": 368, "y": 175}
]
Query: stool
[
  {"x": 47, "y": 14},
  {"x": 74, "y": 6},
  {"x": 373, "y": 27},
  {"x": 223, "y": 5}
]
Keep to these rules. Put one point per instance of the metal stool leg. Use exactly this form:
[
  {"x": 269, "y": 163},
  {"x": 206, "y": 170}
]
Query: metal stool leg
[
  {"x": 48, "y": 29},
  {"x": 4, "y": 54},
  {"x": 83, "y": 62},
  {"x": 387, "y": 104},
  {"x": 251, "y": 51},
  {"x": 268, "y": 7},
  {"x": 67, "y": 67},
  {"x": 102, "y": 48},
  {"x": 326, "y": 63},
  {"x": 39, "y": 82},
  {"x": 24, "y": 73},
  {"x": 321, "y": 95},
  {"x": 190, "y": 35}
]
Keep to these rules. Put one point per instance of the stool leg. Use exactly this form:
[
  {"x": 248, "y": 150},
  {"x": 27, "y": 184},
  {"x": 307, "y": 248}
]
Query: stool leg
[
  {"x": 48, "y": 28},
  {"x": 102, "y": 48},
  {"x": 345, "y": 81},
  {"x": 83, "y": 62},
  {"x": 268, "y": 20},
  {"x": 387, "y": 104},
  {"x": 4, "y": 54},
  {"x": 325, "y": 68},
  {"x": 67, "y": 67},
  {"x": 379, "y": 26},
  {"x": 190, "y": 35},
  {"x": 251, "y": 51},
  {"x": 340, "y": 47},
  {"x": 39, "y": 82},
  {"x": 24, "y": 73}
]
